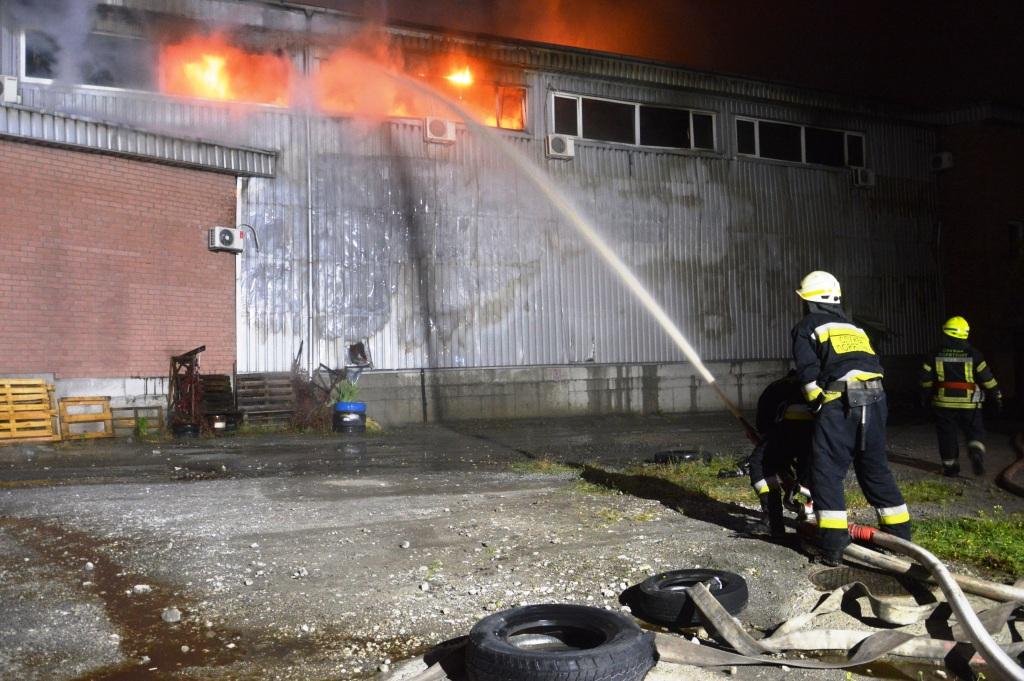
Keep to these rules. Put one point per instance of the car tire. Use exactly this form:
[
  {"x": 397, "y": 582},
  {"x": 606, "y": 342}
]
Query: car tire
[
  {"x": 558, "y": 643},
  {"x": 663, "y": 599}
]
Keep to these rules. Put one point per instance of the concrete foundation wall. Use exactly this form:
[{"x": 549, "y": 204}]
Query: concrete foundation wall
[
  {"x": 454, "y": 394},
  {"x": 401, "y": 397}
]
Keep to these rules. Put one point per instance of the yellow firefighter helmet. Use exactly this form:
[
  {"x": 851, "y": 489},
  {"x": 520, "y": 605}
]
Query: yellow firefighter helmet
[{"x": 957, "y": 327}]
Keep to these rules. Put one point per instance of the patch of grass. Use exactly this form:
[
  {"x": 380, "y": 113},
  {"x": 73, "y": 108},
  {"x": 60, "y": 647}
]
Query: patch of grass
[
  {"x": 610, "y": 516},
  {"x": 542, "y": 466},
  {"x": 993, "y": 541},
  {"x": 914, "y": 492},
  {"x": 584, "y": 487},
  {"x": 701, "y": 478}
]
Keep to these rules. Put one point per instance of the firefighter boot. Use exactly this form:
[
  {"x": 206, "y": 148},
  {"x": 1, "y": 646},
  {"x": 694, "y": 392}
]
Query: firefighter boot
[
  {"x": 951, "y": 469},
  {"x": 976, "y": 453},
  {"x": 771, "y": 507}
]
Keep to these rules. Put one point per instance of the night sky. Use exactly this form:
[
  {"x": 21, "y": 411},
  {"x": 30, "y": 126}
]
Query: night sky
[{"x": 937, "y": 54}]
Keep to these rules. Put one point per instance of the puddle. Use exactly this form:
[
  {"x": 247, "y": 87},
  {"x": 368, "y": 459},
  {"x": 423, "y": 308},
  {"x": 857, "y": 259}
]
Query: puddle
[{"x": 136, "y": 617}]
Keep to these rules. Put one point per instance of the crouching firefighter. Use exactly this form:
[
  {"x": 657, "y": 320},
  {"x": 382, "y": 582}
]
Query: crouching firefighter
[
  {"x": 842, "y": 380},
  {"x": 953, "y": 378},
  {"x": 782, "y": 461}
]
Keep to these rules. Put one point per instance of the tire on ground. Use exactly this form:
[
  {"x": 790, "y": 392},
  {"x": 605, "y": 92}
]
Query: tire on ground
[
  {"x": 593, "y": 645},
  {"x": 662, "y": 599}
]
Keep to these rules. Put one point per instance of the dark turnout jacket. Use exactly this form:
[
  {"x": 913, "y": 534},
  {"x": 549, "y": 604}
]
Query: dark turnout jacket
[
  {"x": 827, "y": 349},
  {"x": 955, "y": 373}
]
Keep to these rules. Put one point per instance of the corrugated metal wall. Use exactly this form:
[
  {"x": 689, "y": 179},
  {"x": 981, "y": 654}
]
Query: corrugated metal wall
[{"x": 442, "y": 256}]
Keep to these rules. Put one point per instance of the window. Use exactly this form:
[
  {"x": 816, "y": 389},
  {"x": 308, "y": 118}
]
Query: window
[
  {"x": 799, "y": 144},
  {"x": 825, "y": 147},
  {"x": 630, "y": 123},
  {"x": 511, "y": 108},
  {"x": 664, "y": 127},
  {"x": 608, "y": 121},
  {"x": 780, "y": 141},
  {"x": 107, "y": 60},
  {"x": 565, "y": 115}
]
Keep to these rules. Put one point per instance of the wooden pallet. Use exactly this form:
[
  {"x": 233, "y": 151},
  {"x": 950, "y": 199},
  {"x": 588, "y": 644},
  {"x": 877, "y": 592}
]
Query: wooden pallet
[
  {"x": 266, "y": 398},
  {"x": 26, "y": 411},
  {"x": 127, "y": 418},
  {"x": 217, "y": 394},
  {"x": 102, "y": 416}
]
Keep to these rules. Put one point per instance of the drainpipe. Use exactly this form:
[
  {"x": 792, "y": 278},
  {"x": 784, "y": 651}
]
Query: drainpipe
[{"x": 307, "y": 59}]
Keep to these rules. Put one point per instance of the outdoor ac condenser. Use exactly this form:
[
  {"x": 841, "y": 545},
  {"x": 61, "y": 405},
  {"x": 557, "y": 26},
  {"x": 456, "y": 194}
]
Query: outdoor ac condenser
[
  {"x": 226, "y": 239},
  {"x": 9, "y": 90},
  {"x": 863, "y": 177},
  {"x": 560, "y": 146},
  {"x": 439, "y": 130}
]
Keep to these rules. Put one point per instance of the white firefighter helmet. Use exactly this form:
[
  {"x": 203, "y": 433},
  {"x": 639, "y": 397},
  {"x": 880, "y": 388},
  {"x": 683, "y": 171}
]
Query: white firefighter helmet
[{"x": 820, "y": 287}]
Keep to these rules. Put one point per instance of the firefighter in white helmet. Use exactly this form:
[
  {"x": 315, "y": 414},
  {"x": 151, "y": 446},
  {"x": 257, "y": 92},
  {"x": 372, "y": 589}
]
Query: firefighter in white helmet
[
  {"x": 955, "y": 378},
  {"x": 842, "y": 378}
]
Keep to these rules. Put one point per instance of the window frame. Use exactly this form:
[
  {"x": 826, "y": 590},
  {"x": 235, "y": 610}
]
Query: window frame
[
  {"x": 715, "y": 139},
  {"x": 23, "y": 61},
  {"x": 847, "y": 134}
]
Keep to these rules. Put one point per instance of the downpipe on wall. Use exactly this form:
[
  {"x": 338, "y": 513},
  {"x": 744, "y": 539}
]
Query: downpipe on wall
[{"x": 976, "y": 633}]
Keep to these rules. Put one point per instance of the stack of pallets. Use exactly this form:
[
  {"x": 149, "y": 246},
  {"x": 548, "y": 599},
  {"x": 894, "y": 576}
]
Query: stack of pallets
[
  {"x": 266, "y": 398},
  {"x": 26, "y": 411}
]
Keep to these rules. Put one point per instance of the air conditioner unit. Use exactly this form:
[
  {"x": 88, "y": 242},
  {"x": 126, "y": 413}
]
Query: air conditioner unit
[
  {"x": 9, "y": 90},
  {"x": 863, "y": 177},
  {"x": 942, "y": 160},
  {"x": 439, "y": 130},
  {"x": 226, "y": 239},
  {"x": 560, "y": 146}
]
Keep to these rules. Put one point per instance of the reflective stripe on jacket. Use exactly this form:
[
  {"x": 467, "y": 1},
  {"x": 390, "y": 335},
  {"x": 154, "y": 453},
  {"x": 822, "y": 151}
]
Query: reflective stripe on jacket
[{"x": 955, "y": 375}]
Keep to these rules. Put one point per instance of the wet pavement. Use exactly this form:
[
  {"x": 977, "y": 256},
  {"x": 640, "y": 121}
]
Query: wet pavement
[{"x": 332, "y": 557}]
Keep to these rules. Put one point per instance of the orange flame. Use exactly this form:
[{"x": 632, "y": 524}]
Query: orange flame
[
  {"x": 209, "y": 68},
  {"x": 462, "y": 77}
]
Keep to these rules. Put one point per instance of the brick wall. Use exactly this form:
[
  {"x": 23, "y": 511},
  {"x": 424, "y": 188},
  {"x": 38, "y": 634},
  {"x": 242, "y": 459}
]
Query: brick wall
[{"x": 104, "y": 270}]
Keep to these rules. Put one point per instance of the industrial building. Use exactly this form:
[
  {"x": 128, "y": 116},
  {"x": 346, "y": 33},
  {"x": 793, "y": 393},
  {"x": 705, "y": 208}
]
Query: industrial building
[{"x": 381, "y": 218}]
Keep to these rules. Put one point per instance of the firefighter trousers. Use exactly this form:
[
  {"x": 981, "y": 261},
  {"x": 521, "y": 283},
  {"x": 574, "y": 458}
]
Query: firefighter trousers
[
  {"x": 949, "y": 423},
  {"x": 837, "y": 444}
]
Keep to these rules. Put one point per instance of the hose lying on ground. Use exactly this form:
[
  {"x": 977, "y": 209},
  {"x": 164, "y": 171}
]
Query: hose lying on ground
[
  {"x": 968, "y": 619},
  {"x": 1005, "y": 479},
  {"x": 979, "y": 587}
]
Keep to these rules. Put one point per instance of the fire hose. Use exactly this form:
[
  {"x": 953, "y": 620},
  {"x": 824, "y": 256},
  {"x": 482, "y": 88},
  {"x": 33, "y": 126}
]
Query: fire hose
[
  {"x": 1006, "y": 478},
  {"x": 968, "y": 619}
]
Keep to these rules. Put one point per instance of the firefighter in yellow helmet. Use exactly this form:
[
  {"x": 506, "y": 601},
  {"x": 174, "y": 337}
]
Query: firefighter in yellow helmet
[
  {"x": 842, "y": 378},
  {"x": 956, "y": 378}
]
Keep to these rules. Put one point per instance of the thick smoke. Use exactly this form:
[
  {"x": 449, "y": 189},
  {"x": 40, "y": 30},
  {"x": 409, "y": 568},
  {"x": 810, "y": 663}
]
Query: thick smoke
[{"x": 67, "y": 22}]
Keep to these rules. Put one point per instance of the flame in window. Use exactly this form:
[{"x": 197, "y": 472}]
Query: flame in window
[
  {"x": 209, "y": 68},
  {"x": 462, "y": 77}
]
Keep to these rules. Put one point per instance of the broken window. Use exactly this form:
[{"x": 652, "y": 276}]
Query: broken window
[{"x": 511, "y": 108}]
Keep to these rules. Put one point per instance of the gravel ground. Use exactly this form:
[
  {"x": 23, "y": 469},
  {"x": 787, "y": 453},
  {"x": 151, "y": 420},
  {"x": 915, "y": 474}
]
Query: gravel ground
[{"x": 310, "y": 557}]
